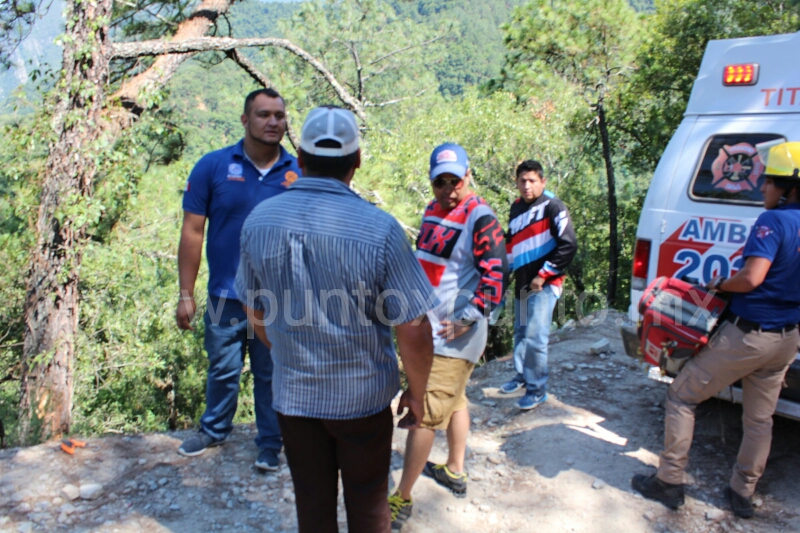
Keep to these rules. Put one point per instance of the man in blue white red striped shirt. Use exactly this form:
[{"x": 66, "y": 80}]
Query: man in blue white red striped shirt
[
  {"x": 541, "y": 244},
  {"x": 326, "y": 275}
]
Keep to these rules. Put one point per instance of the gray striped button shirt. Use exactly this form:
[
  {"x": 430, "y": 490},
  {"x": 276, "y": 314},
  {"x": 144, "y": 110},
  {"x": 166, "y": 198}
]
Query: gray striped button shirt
[{"x": 331, "y": 273}]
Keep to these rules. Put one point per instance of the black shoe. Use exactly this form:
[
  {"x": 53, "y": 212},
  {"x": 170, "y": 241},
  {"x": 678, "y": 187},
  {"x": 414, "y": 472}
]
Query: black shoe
[
  {"x": 653, "y": 488},
  {"x": 457, "y": 483},
  {"x": 741, "y": 506},
  {"x": 267, "y": 460}
]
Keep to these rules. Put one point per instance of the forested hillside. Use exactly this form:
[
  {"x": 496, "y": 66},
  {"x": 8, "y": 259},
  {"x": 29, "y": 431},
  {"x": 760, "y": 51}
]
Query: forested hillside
[{"x": 508, "y": 80}]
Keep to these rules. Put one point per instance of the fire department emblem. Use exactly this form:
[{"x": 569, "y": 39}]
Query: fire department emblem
[
  {"x": 289, "y": 178},
  {"x": 737, "y": 168},
  {"x": 762, "y": 232}
]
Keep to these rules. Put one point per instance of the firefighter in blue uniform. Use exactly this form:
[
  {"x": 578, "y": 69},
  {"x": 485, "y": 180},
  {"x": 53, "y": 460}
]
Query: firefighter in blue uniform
[{"x": 755, "y": 344}]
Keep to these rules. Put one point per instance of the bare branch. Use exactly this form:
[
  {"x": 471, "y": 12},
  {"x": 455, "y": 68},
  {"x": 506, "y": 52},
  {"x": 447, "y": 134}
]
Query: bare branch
[
  {"x": 395, "y": 101},
  {"x": 412, "y": 232},
  {"x": 156, "y": 15},
  {"x": 399, "y": 50},
  {"x": 223, "y": 44}
]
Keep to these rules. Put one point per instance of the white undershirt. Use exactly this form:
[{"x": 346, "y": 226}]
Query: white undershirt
[{"x": 263, "y": 171}]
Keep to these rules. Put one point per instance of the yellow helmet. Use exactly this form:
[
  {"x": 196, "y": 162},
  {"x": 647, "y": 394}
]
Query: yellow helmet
[{"x": 781, "y": 160}]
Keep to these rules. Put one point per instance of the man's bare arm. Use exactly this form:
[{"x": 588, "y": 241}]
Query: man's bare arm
[
  {"x": 748, "y": 278},
  {"x": 190, "y": 251},
  {"x": 415, "y": 343}
]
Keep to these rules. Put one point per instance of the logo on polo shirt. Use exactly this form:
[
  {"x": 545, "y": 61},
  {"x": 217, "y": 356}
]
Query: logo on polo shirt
[
  {"x": 235, "y": 171},
  {"x": 762, "y": 232},
  {"x": 289, "y": 178}
]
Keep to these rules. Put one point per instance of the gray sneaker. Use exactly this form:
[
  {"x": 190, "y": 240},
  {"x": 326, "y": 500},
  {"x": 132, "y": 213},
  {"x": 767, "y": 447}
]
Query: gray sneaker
[
  {"x": 267, "y": 460},
  {"x": 512, "y": 386},
  {"x": 197, "y": 444}
]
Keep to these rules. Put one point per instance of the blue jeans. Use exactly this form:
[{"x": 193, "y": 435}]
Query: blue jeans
[
  {"x": 226, "y": 343},
  {"x": 532, "y": 320}
]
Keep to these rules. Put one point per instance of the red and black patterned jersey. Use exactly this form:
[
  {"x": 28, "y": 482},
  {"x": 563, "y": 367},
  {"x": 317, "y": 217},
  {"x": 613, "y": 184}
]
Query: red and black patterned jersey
[{"x": 463, "y": 253}]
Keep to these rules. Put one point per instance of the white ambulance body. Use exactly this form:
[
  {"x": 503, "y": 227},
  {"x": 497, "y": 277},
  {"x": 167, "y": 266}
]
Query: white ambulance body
[{"x": 704, "y": 196}]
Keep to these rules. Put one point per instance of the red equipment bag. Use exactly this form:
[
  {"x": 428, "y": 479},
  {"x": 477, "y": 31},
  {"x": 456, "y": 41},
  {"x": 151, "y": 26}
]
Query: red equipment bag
[{"x": 677, "y": 320}]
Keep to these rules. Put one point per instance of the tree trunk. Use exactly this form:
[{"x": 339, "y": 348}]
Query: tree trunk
[
  {"x": 613, "y": 244},
  {"x": 51, "y": 305}
]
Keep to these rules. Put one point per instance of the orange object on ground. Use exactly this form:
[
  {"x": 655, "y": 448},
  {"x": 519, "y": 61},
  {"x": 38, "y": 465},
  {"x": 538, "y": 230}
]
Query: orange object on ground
[{"x": 69, "y": 445}]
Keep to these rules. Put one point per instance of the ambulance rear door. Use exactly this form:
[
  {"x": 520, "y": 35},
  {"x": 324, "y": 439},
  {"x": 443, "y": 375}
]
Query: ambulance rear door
[{"x": 710, "y": 212}]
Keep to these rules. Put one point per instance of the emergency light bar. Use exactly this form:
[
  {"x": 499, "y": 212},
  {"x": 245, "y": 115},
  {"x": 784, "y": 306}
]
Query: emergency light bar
[{"x": 744, "y": 74}]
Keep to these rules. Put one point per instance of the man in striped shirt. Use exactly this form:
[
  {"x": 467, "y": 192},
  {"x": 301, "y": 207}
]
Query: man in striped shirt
[
  {"x": 326, "y": 275},
  {"x": 541, "y": 244}
]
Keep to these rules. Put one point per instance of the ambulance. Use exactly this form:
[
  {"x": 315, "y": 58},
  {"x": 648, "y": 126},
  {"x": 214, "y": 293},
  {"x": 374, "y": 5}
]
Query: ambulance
[{"x": 704, "y": 197}]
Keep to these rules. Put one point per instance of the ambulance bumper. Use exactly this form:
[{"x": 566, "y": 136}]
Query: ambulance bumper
[
  {"x": 786, "y": 407},
  {"x": 788, "y": 404}
]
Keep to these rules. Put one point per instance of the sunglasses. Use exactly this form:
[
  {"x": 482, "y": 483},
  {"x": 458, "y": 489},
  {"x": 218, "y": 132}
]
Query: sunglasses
[{"x": 455, "y": 183}]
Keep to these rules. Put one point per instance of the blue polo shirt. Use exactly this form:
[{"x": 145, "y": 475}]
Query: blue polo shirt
[
  {"x": 224, "y": 187},
  {"x": 776, "y": 302}
]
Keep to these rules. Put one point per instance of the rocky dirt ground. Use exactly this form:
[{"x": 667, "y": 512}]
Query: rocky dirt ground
[{"x": 563, "y": 467}]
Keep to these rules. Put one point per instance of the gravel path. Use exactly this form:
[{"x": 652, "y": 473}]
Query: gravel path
[{"x": 563, "y": 467}]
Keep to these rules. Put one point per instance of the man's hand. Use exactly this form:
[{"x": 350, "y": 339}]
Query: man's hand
[
  {"x": 452, "y": 330},
  {"x": 415, "y": 413},
  {"x": 537, "y": 284},
  {"x": 185, "y": 312},
  {"x": 415, "y": 347}
]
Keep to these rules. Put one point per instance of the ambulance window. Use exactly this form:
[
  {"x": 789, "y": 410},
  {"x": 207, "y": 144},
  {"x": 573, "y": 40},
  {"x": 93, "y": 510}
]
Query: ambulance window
[{"x": 730, "y": 170}]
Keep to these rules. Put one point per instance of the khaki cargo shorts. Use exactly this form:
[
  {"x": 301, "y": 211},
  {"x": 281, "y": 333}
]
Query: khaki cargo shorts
[{"x": 446, "y": 391}]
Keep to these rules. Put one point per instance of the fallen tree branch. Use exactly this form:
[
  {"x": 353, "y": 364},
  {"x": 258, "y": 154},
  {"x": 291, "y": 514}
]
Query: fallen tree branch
[{"x": 224, "y": 44}]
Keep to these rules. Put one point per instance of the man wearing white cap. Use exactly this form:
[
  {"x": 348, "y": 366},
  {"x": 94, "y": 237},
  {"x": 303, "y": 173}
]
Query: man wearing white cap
[{"x": 326, "y": 275}]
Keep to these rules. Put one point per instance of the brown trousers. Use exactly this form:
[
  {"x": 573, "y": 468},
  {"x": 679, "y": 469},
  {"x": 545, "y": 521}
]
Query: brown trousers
[
  {"x": 318, "y": 449},
  {"x": 760, "y": 360}
]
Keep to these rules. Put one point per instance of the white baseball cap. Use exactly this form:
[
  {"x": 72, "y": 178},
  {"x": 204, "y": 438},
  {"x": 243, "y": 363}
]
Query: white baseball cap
[{"x": 329, "y": 123}]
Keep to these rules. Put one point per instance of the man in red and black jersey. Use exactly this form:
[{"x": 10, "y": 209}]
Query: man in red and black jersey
[
  {"x": 541, "y": 244},
  {"x": 461, "y": 248}
]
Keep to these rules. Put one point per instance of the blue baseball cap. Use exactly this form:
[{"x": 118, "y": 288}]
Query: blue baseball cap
[{"x": 449, "y": 158}]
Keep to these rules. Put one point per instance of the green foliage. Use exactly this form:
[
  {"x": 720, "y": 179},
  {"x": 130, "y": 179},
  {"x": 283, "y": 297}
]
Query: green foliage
[
  {"x": 379, "y": 57},
  {"x": 136, "y": 372},
  {"x": 583, "y": 50},
  {"x": 206, "y": 107},
  {"x": 22, "y": 156},
  {"x": 588, "y": 43},
  {"x": 474, "y": 48}
]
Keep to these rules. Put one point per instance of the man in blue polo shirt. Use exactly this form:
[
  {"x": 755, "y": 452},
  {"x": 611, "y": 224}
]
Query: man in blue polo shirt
[{"x": 224, "y": 187}]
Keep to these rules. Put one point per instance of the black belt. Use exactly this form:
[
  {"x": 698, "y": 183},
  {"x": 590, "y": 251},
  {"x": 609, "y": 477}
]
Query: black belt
[{"x": 747, "y": 326}]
